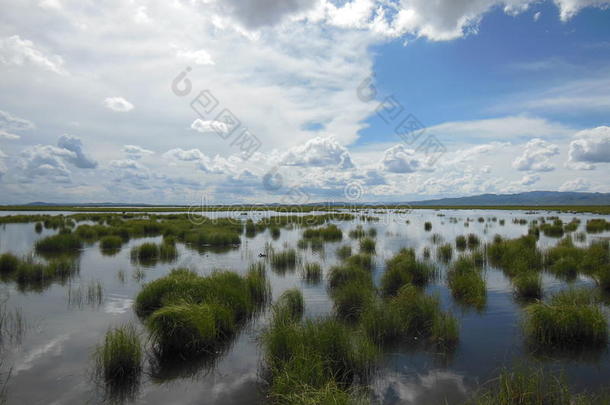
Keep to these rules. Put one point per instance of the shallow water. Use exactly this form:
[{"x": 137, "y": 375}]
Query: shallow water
[{"x": 52, "y": 363}]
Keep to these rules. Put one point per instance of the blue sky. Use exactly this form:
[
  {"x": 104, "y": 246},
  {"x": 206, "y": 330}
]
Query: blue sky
[
  {"x": 105, "y": 102},
  {"x": 508, "y": 58}
]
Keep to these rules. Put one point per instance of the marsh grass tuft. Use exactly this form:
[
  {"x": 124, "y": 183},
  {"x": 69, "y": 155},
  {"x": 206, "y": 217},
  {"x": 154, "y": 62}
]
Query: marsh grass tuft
[
  {"x": 315, "y": 362},
  {"x": 111, "y": 244},
  {"x": 284, "y": 260},
  {"x": 528, "y": 286},
  {"x": 444, "y": 252},
  {"x": 119, "y": 358},
  {"x": 466, "y": 283},
  {"x": 344, "y": 252},
  {"x": 404, "y": 269},
  {"x": 514, "y": 256},
  {"x": 460, "y": 243},
  {"x": 328, "y": 233},
  {"x": 571, "y": 318},
  {"x": 57, "y": 244},
  {"x": 410, "y": 313},
  {"x": 367, "y": 245},
  {"x": 149, "y": 254},
  {"x": 312, "y": 273},
  {"x": 189, "y": 314},
  {"x": 531, "y": 386}
]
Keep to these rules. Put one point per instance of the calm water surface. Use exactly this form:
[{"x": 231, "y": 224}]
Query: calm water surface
[{"x": 51, "y": 363}]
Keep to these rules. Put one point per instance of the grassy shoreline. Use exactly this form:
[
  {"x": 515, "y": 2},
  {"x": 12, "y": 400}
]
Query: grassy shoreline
[{"x": 595, "y": 209}]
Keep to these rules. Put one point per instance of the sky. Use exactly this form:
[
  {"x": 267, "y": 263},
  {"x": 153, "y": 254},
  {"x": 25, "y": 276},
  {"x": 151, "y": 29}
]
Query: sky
[{"x": 300, "y": 101}]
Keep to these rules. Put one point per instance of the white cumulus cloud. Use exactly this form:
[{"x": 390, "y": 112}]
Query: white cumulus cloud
[
  {"x": 536, "y": 156},
  {"x": 118, "y": 104},
  {"x": 589, "y": 146},
  {"x": 319, "y": 151},
  {"x": 399, "y": 159},
  {"x": 15, "y": 51}
]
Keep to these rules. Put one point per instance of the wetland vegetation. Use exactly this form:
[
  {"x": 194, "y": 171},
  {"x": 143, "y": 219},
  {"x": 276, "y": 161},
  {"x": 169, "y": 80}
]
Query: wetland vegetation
[{"x": 324, "y": 298}]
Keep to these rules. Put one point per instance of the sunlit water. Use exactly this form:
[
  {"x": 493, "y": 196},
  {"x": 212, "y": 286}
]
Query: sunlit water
[{"x": 51, "y": 363}]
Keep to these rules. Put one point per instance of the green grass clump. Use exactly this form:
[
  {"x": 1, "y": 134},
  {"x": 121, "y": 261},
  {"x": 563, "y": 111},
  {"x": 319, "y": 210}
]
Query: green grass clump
[
  {"x": 528, "y": 286},
  {"x": 60, "y": 243},
  {"x": 352, "y": 298},
  {"x": 329, "y": 233},
  {"x": 190, "y": 328},
  {"x": 569, "y": 320},
  {"x": 119, "y": 357},
  {"x": 428, "y": 226},
  {"x": 190, "y": 314},
  {"x": 211, "y": 235},
  {"x": 284, "y": 260},
  {"x": 597, "y": 225},
  {"x": 357, "y": 233},
  {"x": 290, "y": 305},
  {"x": 460, "y": 243},
  {"x": 8, "y": 263},
  {"x": 404, "y": 269},
  {"x": 275, "y": 232},
  {"x": 367, "y": 245},
  {"x": 149, "y": 253},
  {"x": 177, "y": 284},
  {"x": 362, "y": 260},
  {"x": 410, "y": 313},
  {"x": 315, "y": 362},
  {"x": 564, "y": 259},
  {"x": 595, "y": 257},
  {"x": 473, "y": 241},
  {"x": 338, "y": 276},
  {"x": 38, "y": 227},
  {"x": 531, "y": 386},
  {"x": 312, "y": 272},
  {"x": 145, "y": 253},
  {"x": 445, "y": 252},
  {"x": 466, "y": 283},
  {"x": 111, "y": 244},
  {"x": 258, "y": 285},
  {"x": 514, "y": 256},
  {"x": 344, "y": 252},
  {"x": 554, "y": 230},
  {"x": 572, "y": 225}
]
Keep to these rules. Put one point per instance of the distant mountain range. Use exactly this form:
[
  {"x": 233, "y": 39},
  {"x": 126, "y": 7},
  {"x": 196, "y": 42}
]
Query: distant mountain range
[
  {"x": 528, "y": 198},
  {"x": 531, "y": 198}
]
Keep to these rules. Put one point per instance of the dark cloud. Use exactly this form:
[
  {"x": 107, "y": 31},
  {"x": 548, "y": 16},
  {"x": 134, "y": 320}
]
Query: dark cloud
[{"x": 258, "y": 13}]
